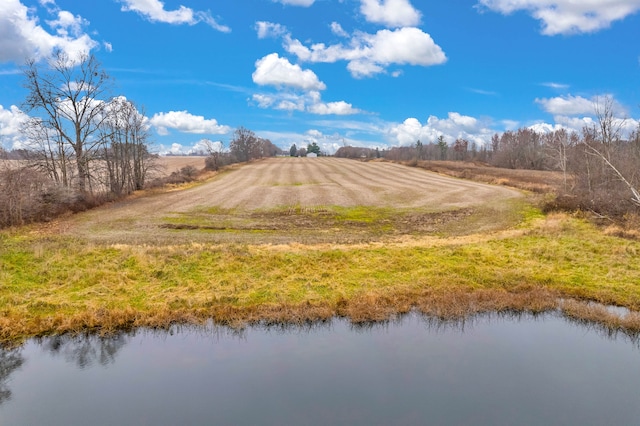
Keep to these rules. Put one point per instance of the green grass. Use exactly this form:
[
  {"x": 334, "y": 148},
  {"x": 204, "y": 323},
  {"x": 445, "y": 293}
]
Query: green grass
[{"x": 55, "y": 284}]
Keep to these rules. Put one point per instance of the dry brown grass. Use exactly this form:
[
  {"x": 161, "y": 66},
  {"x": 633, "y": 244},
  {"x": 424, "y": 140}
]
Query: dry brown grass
[
  {"x": 602, "y": 316},
  {"x": 529, "y": 180},
  {"x": 449, "y": 305},
  {"x": 170, "y": 164}
]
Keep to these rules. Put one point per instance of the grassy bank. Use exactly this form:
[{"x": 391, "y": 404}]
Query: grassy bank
[{"x": 55, "y": 284}]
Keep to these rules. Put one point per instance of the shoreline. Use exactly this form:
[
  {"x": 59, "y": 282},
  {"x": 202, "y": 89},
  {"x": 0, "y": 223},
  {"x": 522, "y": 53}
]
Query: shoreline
[{"x": 364, "y": 310}]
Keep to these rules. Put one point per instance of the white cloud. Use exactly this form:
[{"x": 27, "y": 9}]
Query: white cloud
[
  {"x": 510, "y": 124},
  {"x": 392, "y": 13},
  {"x": 451, "y": 128},
  {"x": 303, "y": 3},
  {"x": 338, "y": 30},
  {"x": 154, "y": 11},
  {"x": 269, "y": 29},
  {"x": 263, "y": 101},
  {"x": 205, "y": 146},
  {"x": 545, "y": 127},
  {"x": 558, "y": 86},
  {"x": 578, "y": 105},
  {"x": 276, "y": 71},
  {"x": 282, "y": 101},
  {"x": 369, "y": 54},
  {"x": 176, "y": 149},
  {"x": 290, "y": 105},
  {"x": 67, "y": 24},
  {"x": 14, "y": 71},
  {"x": 185, "y": 122},
  {"x": 11, "y": 121},
  {"x": 310, "y": 101},
  {"x": 576, "y": 124},
  {"x": 568, "y": 16},
  {"x": 483, "y": 92},
  {"x": 23, "y": 37},
  {"x": 335, "y": 108}
]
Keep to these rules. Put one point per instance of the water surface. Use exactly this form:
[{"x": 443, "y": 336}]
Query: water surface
[{"x": 491, "y": 371}]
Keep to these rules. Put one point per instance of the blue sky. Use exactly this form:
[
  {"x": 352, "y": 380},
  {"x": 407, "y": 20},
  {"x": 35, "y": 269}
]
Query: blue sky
[{"x": 375, "y": 73}]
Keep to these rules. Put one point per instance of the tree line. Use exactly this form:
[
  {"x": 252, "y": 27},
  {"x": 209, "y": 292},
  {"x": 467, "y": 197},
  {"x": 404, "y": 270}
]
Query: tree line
[
  {"x": 600, "y": 166},
  {"x": 245, "y": 146}
]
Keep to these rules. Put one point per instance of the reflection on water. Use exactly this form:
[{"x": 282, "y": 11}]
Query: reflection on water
[
  {"x": 86, "y": 350},
  {"x": 10, "y": 360},
  {"x": 413, "y": 370}
]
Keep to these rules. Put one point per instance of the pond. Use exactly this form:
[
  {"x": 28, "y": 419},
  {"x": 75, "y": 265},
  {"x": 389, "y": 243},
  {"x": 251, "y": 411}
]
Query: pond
[{"x": 490, "y": 370}]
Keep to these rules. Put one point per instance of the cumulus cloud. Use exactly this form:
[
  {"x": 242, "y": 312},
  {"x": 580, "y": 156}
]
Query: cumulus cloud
[
  {"x": 575, "y": 124},
  {"x": 204, "y": 147},
  {"x": 154, "y": 11},
  {"x": 567, "y": 105},
  {"x": 23, "y": 37},
  {"x": 451, "y": 128},
  {"x": 335, "y": 108},
  {"x": 267, "y": 29},
  {"x": 370, "y": 54},
  {"x": 545, "y": 127},
  {"x": 11, "y": 121},
  {"x": 391, "y": 13},
  {"x": 310, "y": 102},
  {"x": 263, "y": 101},
  {"x": 337, "y": 29},
  {"x": 577, "y": 105},
  {"x": 273, "y": 70},
  {"x": 185, "y": 122},
  {"x": 282, "y": 101},
  {"x": 568, "y": 16}
]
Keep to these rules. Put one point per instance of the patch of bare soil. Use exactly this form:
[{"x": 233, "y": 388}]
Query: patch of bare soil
[
  {"x": 173, "y": 163},
  {"x": 256, "y": 202}
]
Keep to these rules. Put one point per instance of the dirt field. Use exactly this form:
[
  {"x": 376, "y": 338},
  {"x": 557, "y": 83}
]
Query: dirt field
[
  {"x": 298, "y": 195},
  {"x": 173, "y": 163}
]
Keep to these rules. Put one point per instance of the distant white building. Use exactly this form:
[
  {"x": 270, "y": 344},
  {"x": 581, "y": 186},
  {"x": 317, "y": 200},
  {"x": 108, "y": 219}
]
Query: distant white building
[{"x": 312, "y": 154}]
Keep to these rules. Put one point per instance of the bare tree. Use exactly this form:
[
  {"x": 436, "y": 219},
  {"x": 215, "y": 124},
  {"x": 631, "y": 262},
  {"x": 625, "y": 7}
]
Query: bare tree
[
  {"x": 461, "y": 148},
  {"x": 124, "y": 151},
  {"x": 214, "y": 160},
  {"x": 21, "y": 190},
  {"x": 48, "y": 152},
  {"x": 635, "y": 198},
  {"x": 557, "y": 145},
  {"x": 604, "y": 164},
  {"x": 244, "y": 144},
  {"x": 522, "y": 149},
  {"x": 68, "y": 98},
  {"x": 608, "y": 128}
]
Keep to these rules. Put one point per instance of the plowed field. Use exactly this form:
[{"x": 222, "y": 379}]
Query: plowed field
[{"x": 303, "y": 199}]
